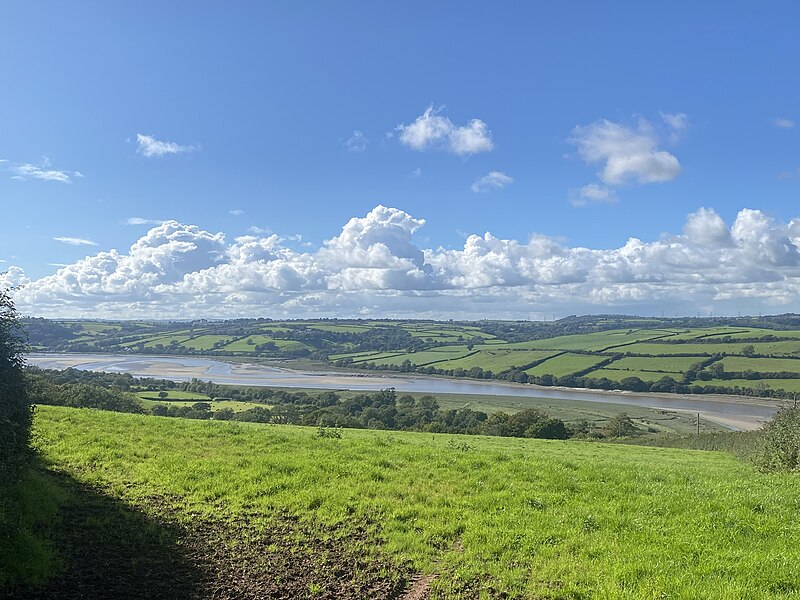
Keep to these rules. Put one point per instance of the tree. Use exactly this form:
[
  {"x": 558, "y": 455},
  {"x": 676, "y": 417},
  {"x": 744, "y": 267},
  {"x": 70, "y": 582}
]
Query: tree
[
  {"x": 749, "y": 350},
  {"x": 162, "y": 394},
  {"x": 621, "y": 426},
  {"x": 15, "y": 409}
]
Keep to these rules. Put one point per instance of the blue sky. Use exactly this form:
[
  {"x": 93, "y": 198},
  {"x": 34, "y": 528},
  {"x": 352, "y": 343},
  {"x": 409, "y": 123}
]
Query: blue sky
[{"x": 590, "y": 123}]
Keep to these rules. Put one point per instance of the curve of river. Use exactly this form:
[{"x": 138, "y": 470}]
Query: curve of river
[{"x": 734, "y": 412}]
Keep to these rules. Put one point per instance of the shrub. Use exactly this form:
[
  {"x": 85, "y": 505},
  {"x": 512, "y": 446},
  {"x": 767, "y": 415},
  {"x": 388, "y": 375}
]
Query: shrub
[{"x": 782, "y": 441}]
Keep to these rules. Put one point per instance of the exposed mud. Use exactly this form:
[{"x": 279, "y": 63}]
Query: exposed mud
[{"x": 111, "y": 551}]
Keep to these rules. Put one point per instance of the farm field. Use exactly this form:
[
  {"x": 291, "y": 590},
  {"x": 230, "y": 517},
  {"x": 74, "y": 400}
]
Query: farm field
[
  {"x": 234, "y": 405},
  {"x": 565, "y": 364},
  {"x": 761, "y": 365},
  {"x": 620, "y": 374},
  {"x": 496, "y": 360},
  {"x": 707, "y": 349},
  {"x": 503, "y": 350},
  {"x": 489, "y": 517},
  {"x": 671, "y": 364}
]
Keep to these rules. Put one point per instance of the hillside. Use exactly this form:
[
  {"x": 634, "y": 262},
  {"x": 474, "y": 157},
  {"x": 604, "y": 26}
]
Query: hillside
[
  {"x": 483, "y": 516},
  {"x": 746, "y": 355}
]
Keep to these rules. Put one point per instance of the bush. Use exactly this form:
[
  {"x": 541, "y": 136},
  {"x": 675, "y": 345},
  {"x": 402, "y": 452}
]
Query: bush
[{"x": 782, "y": 441}]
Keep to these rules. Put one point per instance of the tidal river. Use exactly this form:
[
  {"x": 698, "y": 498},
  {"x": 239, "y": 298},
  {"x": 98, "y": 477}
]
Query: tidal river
[{"x": 731, "y": 411}]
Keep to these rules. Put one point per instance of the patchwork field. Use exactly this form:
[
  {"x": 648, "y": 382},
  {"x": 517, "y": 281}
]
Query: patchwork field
[
  {"x": 483, "y": 517},
  {"x": 647, "y": 349}
]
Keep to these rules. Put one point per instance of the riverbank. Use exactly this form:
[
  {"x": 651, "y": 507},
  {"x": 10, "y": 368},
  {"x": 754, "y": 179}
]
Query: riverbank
[{"x": 733, "y": 412}]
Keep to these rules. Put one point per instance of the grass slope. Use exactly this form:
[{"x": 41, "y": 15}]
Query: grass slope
[{"x": 492, "y": 517}]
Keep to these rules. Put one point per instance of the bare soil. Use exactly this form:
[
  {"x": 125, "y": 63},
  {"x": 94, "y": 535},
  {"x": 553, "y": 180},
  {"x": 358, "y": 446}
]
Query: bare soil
[{"x": 109, "y": 550}]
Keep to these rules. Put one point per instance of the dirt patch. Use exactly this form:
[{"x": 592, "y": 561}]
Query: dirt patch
[
  {"x": 286, "y": 559},
  {"x": 420, "y": 589},
  {"x": 109, "y": 550}
]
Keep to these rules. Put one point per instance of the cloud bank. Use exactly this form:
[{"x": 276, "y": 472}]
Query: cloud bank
[{"x": 373, "y": 267}]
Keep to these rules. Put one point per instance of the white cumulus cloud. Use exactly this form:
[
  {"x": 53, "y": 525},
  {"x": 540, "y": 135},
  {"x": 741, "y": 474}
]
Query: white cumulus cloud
[
  {"x": 433, "y": 131},
  {"x": 625, "y": 154},
  {"x": 374, "y": 267},
  {"x": 783, "y": 123},
  {"x": 150, "y": 147}
]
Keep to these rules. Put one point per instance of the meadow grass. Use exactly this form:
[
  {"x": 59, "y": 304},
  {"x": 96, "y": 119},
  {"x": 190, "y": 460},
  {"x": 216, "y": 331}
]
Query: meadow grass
[
  {"x": 497, "y": 359},
  {"x": 768, "y": 348},
  {"x": 565, "y": 364},
  {"x": 524, "y": 518},
  {"x": 761, "y": 365},
  {"x": 234, "y": 405},
  {"x": 172, "y": 395},
  {"x": 671, "y": 364},
  {"x": 618, "y": 374},
  {"x": 206, "y": 342}
]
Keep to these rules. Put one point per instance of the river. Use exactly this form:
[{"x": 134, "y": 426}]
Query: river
[{"x": 734, "y": 412}]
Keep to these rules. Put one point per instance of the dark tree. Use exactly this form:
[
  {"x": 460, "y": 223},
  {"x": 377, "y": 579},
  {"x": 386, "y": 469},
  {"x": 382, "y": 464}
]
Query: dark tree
[{"x": 15, "y": 409}]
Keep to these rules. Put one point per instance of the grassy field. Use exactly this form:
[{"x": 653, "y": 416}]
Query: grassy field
[
  {"x": 619, "y": 375},
  {"x": 564, "y": 364},
  {"x": 490, "y": 517},
  {"x": 761, "y": 365},
  {"x": 234, "y": 405},
  {"x": 497, "y": 360}
]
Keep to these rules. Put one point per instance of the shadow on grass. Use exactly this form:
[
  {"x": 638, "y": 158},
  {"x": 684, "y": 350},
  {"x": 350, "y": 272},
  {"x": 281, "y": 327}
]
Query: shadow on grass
[
  {"x": 90, "y": 545},
  {"x": 101, "y": 548}
]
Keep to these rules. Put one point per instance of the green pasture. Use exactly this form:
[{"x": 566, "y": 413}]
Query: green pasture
[
  {"x": 206, "y": 342},
  {"x": 618, "y": 374},
  {"x": 490, "y": 517},
  {"x": 769, "y": 348},
  {"x": 672, "y": 364},
  {"x": 496, "y": 359},
  {"x": 234, "y": 405},
  {"x": 171, "y": 395},
  {"x": 761, "y": 365},
  {"x": 565, "y": 364}
]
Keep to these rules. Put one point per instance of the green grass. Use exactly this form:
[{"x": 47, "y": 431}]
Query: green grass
[
  {"x": 426, "y": 357},
  {"x": 243, "y": 345},
  {"x": 618, "y": 375},
  {"x": 172, "y": 395},
  {"x": 205, "y": 342},
  {"x": 234, "y": 405},
  {"x": 496, "y": 360},
  {"x": 761, "y": 365},
  {"x": 769, "y": 348},
  {"x": 672, "y": 364},
  {"x": 528, "y": 518},
  {"x": 565, "y": 364},
  {"x": 593, "y": 341}
]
